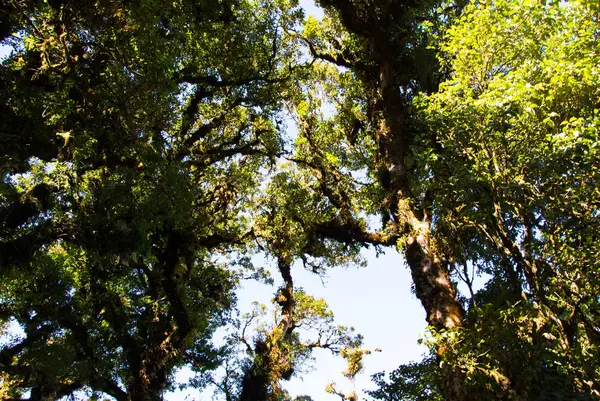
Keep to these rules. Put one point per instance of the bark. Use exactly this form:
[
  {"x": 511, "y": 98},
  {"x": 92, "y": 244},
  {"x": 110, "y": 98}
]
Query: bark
[
  {"x": 286, "y": 299},
  {"x": 432, "y": 285}
]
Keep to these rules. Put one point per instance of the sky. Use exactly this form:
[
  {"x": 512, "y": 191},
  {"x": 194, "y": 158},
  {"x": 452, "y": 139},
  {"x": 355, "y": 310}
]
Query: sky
[{"x": 376, "y": 300}]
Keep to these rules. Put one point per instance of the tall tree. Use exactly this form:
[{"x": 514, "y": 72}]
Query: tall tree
[
  {"x": 133, "y": 135},
  {"x": 381, "y": 60},
  {"x": 467, "y": 178},
  {"x": 516, "y": 178}
]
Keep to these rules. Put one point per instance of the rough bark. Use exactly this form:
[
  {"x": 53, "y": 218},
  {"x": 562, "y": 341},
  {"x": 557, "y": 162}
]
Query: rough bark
[{"x": 432, "y": 285}]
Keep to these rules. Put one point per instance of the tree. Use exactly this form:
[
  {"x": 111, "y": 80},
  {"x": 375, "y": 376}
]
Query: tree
[
  {"x": 133, "y": 137},
  {"x": 517, "y": 131},
  {"x": 415, "y": 381},
  {"x": 382, "y": 58},
  {"x": 469, "y": 176},
  {"x": 509, "y": 156}
]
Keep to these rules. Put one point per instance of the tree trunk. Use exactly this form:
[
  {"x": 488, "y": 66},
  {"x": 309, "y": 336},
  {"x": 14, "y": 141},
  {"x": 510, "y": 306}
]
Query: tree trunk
[
  {"x": 432, "y": 285},
  {"x": 438, "y": 297},
  {"x": 271, "y": 363}
]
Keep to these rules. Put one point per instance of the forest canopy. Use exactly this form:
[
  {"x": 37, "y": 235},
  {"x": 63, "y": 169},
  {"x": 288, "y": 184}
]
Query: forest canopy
[{"x": 154, "y": 154}]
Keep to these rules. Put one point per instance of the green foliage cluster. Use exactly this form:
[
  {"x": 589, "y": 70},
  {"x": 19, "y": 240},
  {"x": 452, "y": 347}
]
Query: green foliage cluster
[
  {"x": 514, "y": 165},
  {"x": 132, "y": 142},
  {"x": 146, "y": 159}
]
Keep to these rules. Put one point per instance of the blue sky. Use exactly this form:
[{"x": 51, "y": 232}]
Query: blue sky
[{"x": 376, "y": 300}]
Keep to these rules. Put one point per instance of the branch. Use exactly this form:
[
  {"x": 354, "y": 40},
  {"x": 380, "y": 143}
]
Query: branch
[
  {"x": 216, "y": 155},
  {"x": 108, "y": 387},
  {"x": 336, "y": 59},
  {"x": 187, "y": 119},
  {"x": 212, "y": 81},
  {"x": 215, "y": 82},
  {"x": 202, "y": 131},
  {"x": 214, "y": 240},
  {"x": 351, "y": 231},
  {"x": 512, "y": 248}
]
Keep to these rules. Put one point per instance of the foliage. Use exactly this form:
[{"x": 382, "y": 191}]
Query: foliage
[
  {"x": 496, "y": 171},
  {"x": 132, "y": 143},
  {"x": 514, "y": 165},
  {"x": 415, "y": 382},
  {"x": 145, "y": 161}
]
